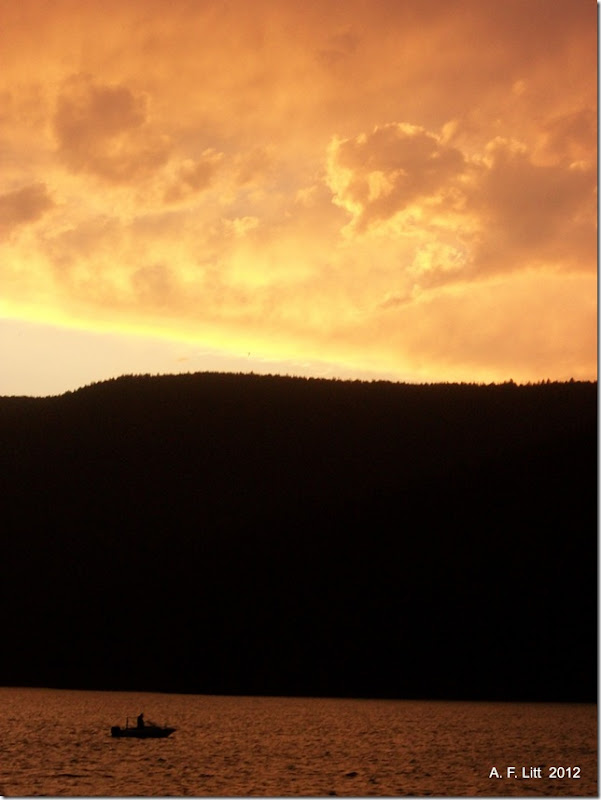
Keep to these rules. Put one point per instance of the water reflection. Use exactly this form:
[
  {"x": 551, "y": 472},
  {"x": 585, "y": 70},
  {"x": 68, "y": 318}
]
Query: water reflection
[{"x": 58, "y": 743}]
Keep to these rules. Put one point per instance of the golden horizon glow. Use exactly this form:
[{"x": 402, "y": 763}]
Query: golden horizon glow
[{"x": 400, "y": 188}]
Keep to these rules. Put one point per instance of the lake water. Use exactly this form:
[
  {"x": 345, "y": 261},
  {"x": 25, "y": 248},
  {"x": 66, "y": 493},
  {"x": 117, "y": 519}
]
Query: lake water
[{"x": 58, "y": 743}]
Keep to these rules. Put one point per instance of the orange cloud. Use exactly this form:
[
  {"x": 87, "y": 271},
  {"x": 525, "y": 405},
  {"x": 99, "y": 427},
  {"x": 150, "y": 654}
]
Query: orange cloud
[
  {"x": 192, "y": 177},
  {"x": 535, "y": 214},
  {"x": 461, "y": 218},
  {"x": 393, "y": 184},
  {"x": 101, "y": 129},
  {"x": 24, "y": 205},
  {"x": 377, "y": 175}
]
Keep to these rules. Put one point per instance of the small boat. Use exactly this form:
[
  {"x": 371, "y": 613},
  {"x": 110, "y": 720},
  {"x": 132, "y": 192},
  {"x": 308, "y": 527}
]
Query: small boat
[{"x": 148, "y": 730}]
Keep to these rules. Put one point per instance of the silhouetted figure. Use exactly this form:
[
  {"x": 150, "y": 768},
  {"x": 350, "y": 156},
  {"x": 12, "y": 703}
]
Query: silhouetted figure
[{"x": 141, "y": 721}]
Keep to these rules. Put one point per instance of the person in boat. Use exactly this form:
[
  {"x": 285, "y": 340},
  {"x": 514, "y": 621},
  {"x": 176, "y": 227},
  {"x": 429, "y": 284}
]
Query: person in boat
[{"x": 141, "y": 720}]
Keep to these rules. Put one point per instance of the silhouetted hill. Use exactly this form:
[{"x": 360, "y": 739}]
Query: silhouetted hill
[{"x": 251, "y": 534}]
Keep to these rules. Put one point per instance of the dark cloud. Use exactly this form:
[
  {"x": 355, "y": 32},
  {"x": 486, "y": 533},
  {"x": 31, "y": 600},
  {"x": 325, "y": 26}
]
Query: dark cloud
[
  {"x": 529, "y": 211},
  {"x": 338, "y": 48},
  {"x": 192, "y": 177},
  {"x": 571, "y": 136},
  {"x": 103, "y": 130},
  {"x": 24, "y": 205}
]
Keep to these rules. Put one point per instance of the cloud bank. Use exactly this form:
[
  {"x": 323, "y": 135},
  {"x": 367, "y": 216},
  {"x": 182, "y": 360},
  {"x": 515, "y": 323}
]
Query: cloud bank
[{"x": 408, "y": 187}]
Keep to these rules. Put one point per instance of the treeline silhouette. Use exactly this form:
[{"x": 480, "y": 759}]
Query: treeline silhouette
[{"x": 219, "y": 533}]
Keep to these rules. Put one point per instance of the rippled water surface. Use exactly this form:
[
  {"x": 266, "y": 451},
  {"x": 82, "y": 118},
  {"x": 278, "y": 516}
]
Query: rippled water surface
[{"x": 58, "y": 743}]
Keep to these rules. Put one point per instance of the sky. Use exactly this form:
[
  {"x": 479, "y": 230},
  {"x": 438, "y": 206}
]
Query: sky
[{"x": 398, "y": 189}]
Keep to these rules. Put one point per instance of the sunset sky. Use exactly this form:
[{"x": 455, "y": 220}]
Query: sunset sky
[{"x": 370, "y": 188}]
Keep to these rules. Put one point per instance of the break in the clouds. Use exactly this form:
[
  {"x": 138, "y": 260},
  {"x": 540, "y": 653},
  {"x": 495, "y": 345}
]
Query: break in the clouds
[{"x": 399, "y": 186}]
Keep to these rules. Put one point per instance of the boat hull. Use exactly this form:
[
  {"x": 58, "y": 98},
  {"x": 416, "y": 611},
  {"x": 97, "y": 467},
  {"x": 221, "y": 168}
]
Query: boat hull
[{"x": 147, "y": 732}]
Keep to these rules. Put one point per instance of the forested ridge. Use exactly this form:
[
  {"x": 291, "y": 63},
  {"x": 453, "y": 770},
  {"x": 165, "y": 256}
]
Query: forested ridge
[{"x": 261, "y": 534}]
